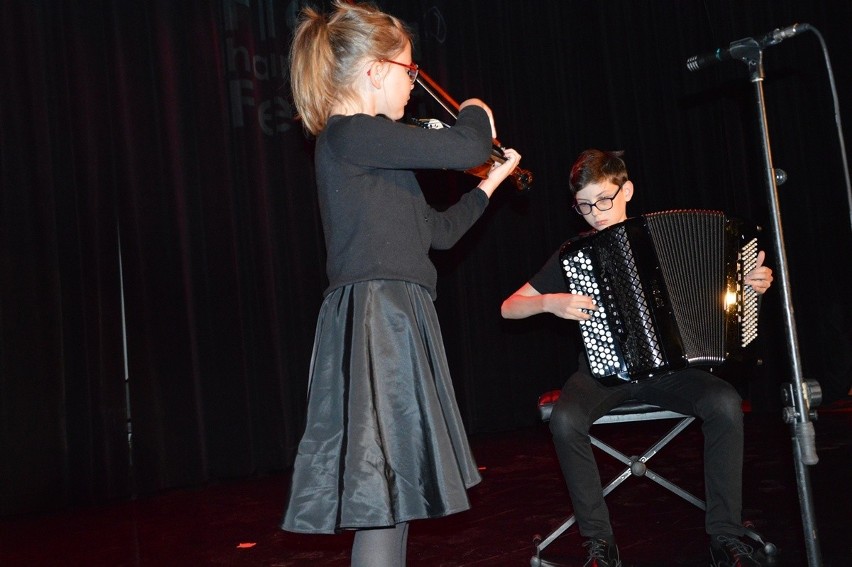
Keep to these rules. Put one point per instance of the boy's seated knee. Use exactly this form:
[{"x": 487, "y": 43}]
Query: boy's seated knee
[{"x": 565, "y": 424}]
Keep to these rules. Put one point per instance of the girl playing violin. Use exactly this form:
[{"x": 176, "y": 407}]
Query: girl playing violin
[{"x": 384, "y": 443}]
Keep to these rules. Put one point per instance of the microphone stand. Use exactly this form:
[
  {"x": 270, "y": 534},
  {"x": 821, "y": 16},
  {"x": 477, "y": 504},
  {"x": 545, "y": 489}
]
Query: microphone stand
[{"x": 799, "y": 395}]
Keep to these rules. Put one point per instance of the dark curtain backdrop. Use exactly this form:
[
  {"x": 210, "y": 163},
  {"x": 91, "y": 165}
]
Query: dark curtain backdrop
[{"x": 162, "y": 255}]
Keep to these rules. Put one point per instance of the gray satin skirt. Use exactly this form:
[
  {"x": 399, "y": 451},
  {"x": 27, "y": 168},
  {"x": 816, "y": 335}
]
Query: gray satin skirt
[{"x": 384, "y": 441}]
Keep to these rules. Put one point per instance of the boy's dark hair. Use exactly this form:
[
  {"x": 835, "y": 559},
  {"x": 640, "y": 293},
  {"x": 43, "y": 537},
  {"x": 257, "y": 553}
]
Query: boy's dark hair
[{"x": 594, "y": 166}]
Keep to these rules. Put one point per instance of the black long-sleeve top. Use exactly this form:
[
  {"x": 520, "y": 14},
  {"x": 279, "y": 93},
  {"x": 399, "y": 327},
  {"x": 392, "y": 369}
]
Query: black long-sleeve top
[{"x": 376, "y": 221}]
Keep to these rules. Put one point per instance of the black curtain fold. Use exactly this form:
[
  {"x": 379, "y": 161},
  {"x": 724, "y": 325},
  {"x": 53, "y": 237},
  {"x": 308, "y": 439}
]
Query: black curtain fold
[
  {"x": 138, "y": 208},
  {"x": 157, "y": 198}
]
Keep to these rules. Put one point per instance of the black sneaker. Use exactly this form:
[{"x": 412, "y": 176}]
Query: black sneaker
[
  {"x": 602, "y": 554},
  {"x": 729, "y": 551}
]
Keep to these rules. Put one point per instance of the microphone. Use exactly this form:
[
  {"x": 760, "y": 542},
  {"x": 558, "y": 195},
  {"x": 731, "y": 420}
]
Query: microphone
[
  {"x": 697, "y": 62},
  {"x": 776, "y": 36}
]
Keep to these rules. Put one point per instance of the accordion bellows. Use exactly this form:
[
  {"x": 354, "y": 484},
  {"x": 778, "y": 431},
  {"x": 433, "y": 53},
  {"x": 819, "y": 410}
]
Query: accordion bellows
[{"x": 669, "y": 290}]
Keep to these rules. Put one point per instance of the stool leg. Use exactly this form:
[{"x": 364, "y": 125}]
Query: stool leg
[
  {"x": 644, "y": 458},
  {"x": 555, "y": 534}
]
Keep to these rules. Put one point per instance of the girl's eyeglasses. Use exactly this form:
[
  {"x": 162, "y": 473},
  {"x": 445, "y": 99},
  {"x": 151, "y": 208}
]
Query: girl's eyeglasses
[{"x": 412, "y": 69}]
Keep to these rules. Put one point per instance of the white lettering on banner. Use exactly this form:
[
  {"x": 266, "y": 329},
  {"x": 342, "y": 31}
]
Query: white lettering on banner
[
  {"x": 262, "y": 67},
  {"x": 274, "y": 116},
  {"x": 250, "y": 74}
]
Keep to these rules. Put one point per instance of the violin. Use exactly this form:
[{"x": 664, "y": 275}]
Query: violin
[{"x": 522, "y": 178}]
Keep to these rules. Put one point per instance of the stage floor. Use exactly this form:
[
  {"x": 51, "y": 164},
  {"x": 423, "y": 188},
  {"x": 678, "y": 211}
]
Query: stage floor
[{"x": 522, "y": 495}]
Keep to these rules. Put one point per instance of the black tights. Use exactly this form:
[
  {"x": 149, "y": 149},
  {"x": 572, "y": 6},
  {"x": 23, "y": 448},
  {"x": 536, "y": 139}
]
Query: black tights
[{"x": 383, "y": 547}]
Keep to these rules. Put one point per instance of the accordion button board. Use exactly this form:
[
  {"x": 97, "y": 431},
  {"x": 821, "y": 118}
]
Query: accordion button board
[{"x": 669, "y": 291}]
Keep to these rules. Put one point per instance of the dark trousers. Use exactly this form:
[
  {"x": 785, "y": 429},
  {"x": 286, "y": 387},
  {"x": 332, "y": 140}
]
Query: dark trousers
[{"x": 692, "y": 391}]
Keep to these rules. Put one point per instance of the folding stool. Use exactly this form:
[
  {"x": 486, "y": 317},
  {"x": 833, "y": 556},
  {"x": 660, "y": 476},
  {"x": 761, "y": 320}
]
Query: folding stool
[{"x": 630, "y": 411}]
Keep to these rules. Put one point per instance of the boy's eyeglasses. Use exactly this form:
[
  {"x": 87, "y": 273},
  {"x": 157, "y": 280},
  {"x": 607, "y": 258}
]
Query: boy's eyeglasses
[
  {"x": 603, "y": 204},
  {"x": 412, "y": 69}
]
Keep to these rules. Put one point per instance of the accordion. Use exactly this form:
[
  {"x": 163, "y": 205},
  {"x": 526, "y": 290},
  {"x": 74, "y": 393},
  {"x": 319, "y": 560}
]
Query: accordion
[{"x": 669, "y": 290}]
